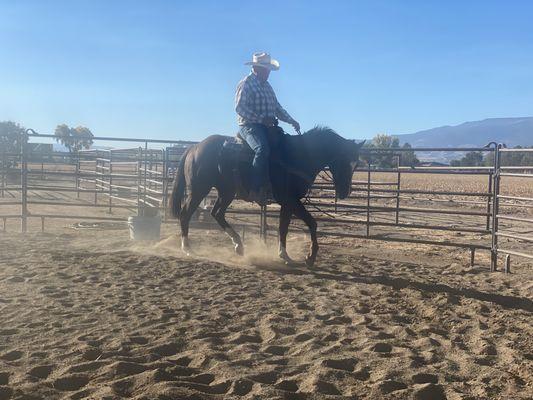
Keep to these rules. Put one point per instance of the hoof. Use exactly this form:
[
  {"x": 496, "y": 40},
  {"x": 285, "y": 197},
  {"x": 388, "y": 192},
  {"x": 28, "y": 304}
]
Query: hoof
[
  {"x": 239, "y": 249},
  {"x": 185, "y": 246},
  {"x": 285, "y": 257},
  {"x": 310, "y": 261}
]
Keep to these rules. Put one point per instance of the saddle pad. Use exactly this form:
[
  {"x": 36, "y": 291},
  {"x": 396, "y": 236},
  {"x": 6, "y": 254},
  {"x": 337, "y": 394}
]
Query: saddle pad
[{"x": 236, "y": 150}]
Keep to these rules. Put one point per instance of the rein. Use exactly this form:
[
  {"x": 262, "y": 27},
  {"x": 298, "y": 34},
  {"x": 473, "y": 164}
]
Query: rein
[{"x": 308, "y": 199}]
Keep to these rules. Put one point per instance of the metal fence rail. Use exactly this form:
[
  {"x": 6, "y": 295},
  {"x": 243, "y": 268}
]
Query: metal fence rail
[
  {"x": 498, "y": 232},
  {"x": 132, "y": 179}
]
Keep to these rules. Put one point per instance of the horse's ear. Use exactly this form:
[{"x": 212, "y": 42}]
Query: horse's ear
[{"x": 361, "y": 144}]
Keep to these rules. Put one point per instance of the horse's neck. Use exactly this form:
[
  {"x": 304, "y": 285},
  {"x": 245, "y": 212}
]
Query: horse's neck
[{"x": 313, "y": 153}]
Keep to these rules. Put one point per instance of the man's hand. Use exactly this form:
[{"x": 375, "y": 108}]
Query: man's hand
[{"x": 296, "y": 127}]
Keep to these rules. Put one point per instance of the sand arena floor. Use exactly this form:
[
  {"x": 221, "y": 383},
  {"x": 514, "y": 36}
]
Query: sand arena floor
[{"x": 91, "y": 315}]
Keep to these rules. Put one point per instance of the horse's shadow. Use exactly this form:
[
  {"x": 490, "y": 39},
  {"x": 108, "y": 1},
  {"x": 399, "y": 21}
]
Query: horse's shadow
[
  {"x": 292, "y": 268},
  {"x": 510, "y": 302}
]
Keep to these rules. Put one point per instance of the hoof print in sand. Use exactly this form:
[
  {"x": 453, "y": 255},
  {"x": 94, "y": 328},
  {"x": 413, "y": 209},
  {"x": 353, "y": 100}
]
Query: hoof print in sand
[
  {"x": 241, "y": 387},
  {"x": 362, "y": 375},
  {"x": 265, "y": 377},
  {"x": 390, "y": 386},
  {"x": 287, "y": 385},
  {"x": 303, "y": 337},
  {"x": 381, "y": 348},
  {"x": 276, "y": 350},
  {"x": 488, "y": 350},
  {"x": 244, "y": 338},
  {"x": 91, "y": 354},
  {"x": 205, "y": 379},
  {"x": 345, "y": 364},
  {"x": 424, "y": 378},
  {"x": 71, "y": 383},
  {"x": 429, "y": 391},
  {"x": 41, "y": 371},
  {"x": 138, "y": 340},
  {"x": 166, "y": 350},
  {"x": 4, "y": 378},
  {"x": 317, "y": 385},
  {"x": 8, "y": 331},
  {"x": 12, "y": 355},
  {"x": 5, "y": 392},
  {"x": 124, "y": 368}
]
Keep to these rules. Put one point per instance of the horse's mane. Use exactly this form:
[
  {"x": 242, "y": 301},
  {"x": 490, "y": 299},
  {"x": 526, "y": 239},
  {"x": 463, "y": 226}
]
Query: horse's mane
[{"x": 319, "y": 130}]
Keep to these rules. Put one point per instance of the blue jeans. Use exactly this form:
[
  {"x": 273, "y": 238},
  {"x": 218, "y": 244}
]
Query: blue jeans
[{"x": 256, "y": 137}]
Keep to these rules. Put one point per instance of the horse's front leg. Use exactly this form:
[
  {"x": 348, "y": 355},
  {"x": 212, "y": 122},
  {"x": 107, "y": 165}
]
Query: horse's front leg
[
  {"x": 300, "y": 212},
  {"x": 284, "y": 222}
]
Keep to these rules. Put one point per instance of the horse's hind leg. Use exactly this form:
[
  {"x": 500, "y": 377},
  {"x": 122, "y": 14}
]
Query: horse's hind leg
[
  {"x": 191, "y": 204},
  {"x": 219, "y": 214}
]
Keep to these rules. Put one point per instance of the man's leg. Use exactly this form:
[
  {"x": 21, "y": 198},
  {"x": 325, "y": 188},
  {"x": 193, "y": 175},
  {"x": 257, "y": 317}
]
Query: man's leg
[{"x": 256, "y": 137}]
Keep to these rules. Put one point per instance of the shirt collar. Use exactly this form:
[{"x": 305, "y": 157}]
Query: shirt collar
[{"x": 256, "y": 79}]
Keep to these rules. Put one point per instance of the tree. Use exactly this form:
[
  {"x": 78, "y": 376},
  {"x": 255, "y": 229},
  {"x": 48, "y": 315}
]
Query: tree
[
  {"x": 387, "y": 158},
  {"x": 10, "y": 133},
  {"x": 408, "y": 158},
  {"x": 470, "y": 159},
  {"x": 74, "y": 139}
]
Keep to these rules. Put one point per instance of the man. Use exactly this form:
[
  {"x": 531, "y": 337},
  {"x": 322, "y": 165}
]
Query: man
[{"x": 257, "y": 108}]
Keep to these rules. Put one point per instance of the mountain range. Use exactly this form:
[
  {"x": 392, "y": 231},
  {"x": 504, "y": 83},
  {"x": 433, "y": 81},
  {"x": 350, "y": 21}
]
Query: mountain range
[{"x": 511, "y": 131}]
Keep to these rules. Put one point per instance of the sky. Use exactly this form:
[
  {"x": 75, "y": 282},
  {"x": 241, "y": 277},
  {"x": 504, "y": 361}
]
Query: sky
[{"x": 168, "y": 69}]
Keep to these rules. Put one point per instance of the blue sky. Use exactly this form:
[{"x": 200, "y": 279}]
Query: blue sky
[{"x": 168, "y": 69}]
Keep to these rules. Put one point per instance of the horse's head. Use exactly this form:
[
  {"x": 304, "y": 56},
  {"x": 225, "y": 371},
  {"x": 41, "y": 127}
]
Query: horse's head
[{"x": 343, "y": 167}]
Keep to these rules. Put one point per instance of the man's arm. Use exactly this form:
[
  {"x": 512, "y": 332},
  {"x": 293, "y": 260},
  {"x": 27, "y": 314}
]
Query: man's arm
[
  {"x": 284, "y": 116},
  {"x": 241, "y": 104}
]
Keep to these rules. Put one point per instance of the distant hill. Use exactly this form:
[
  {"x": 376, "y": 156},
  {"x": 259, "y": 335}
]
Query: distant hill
[{"x": 511, "y": 131}]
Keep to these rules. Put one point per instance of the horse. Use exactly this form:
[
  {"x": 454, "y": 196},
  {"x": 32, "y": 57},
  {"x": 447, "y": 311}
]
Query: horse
[{"x": 302, "y": 159}]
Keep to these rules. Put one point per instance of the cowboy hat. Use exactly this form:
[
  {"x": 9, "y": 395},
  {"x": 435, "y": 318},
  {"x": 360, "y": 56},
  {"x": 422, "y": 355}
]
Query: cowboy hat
[{"x": 264, "y": 60}]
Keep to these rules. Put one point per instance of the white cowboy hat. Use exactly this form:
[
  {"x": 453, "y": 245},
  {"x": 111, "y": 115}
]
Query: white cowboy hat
[{"x": 264, "y": 60}]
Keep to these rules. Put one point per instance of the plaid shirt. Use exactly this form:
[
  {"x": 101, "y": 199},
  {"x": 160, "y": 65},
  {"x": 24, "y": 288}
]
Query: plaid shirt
[{"x": 255, "y": 100}]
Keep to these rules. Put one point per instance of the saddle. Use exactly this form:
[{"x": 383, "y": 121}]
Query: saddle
[{"x": 236, "y": 159}]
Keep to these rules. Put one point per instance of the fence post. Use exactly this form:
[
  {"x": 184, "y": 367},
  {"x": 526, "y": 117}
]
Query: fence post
[
  {"x": 4, "y": 168},
  {"x": 398, "y": 182},
  {"x": 508, "y": 264},
  {"x": 110, "y": 191},
  {"x": 165, "y": 183},
  {"x": 96, "y": 178},
  {"x": 77, "y": 174},
  {"x": 490, "y": 194},
  {"x": 24, "y": 182},
  {"x": 495, "y": 209},
  {"x": 368, "y": 198},
  {"x": 139, "y": 164},
  {"x": 145, "y": 174}
]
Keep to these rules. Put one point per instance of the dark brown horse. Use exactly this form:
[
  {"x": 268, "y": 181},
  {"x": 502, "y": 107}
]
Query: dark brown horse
[{"x": 303, "y": 158}]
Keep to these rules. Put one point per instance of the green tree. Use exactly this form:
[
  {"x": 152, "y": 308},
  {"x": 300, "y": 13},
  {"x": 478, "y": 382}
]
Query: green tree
[
  {"x": 408, "y": 158},
  {"x": 512, "y": 158},
  {"x": 470, "y": 159},
  {"x": 387, "y": 158},
  {"x": 74, "y": 139},
  {"x": 10, "y": 133}
]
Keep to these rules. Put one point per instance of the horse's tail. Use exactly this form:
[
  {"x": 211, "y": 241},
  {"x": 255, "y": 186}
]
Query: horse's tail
[{"x": 178, "y": 191}]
